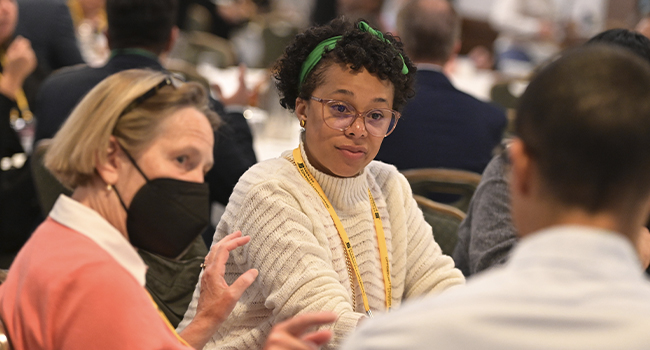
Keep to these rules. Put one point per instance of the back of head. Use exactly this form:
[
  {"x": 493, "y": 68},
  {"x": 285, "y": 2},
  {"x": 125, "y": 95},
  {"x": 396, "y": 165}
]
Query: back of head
[
  {"x": 630, "y": 40},
  {"x": 429, "y": 29},
  {"x": 143, "y": 24},
  {"x": 585, "y": 120}
]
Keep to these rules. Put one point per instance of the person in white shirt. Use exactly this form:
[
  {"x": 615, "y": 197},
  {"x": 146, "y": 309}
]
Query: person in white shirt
[{"x": 580, "y": 196}]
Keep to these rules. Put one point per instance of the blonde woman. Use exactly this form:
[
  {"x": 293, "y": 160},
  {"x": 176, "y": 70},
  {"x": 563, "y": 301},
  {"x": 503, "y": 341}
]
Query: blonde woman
[{"x": 135, "y": 151}]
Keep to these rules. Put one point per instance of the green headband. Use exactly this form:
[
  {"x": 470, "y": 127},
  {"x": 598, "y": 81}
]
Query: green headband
[{"x": 317, "y": 53}]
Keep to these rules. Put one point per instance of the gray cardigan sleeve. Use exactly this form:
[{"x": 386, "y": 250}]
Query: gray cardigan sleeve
[{"x": 487, "y": 234}]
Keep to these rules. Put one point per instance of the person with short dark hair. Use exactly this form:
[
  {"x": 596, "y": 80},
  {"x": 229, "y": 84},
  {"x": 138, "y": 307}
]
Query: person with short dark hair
[
  {"x": 442, "y": 127},
  {"x": 331, "y": 229},
  {"x": 580, "y": 198},
  {"x": 138, "y": 24},
  {"x": 486, "y": 235}
]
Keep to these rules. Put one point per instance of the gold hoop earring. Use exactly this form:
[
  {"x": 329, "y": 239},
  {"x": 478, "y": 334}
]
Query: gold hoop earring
[
  {"x": 302, "y": 123},
  {"x": 109, "y": 187}
]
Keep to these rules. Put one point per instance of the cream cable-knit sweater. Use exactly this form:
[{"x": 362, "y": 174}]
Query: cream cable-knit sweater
[{"x": 299, "y": 255}]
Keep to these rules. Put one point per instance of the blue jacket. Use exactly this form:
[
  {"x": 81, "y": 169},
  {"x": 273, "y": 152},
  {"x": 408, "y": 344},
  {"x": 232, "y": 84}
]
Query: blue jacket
[{"x": 442, "y": 127}]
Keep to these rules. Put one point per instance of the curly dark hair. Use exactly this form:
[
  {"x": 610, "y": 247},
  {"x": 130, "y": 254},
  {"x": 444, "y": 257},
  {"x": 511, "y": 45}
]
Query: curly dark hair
[{"x": 356, "y": 47}]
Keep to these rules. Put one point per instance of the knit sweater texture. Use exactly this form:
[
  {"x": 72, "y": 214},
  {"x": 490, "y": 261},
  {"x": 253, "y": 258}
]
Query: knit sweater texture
[{"x": 300, "y": 257}]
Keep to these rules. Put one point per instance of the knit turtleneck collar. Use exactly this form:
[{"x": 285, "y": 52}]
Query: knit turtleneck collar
[{"x": 341, "y": 191}]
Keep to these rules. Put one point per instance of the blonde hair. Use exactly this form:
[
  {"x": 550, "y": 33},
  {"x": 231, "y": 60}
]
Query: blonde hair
[{"x": 84, "y": 137}]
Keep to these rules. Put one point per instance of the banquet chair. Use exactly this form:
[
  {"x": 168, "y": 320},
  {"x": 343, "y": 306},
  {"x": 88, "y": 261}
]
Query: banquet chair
[
  {"x": 444, "y": 220},
  {"x": 48, "y": 188},
  {"x": 431, "y": 181},
  {"x": 198, "y": 47}
]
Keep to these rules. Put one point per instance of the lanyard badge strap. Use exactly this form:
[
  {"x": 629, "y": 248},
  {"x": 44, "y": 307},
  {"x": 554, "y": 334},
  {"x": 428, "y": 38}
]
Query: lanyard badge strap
[{"x": 304, "y": 172}]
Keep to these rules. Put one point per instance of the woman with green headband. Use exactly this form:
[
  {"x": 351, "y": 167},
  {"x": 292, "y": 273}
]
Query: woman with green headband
[{"x": 331, "y": 229}]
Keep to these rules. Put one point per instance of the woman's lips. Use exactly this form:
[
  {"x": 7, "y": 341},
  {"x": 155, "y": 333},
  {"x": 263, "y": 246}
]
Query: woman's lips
[{"x": 352, "y": 152}]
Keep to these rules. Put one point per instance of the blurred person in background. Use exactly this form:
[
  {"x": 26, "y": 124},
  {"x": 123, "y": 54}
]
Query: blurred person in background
[
  {"x": 25, "y": 63},
  {"x": 89, "y": 19},
  {"x": 529, "y": 31},
  {"x": 443, "y": 127},
  {"x": 48, "y": 26},
  {"x": 643, "y": 26},
  {"x": 331, "y": 230},
  {"x": 140, "y": 32},
  {"x": 487, "y": 235},
  {"x": 369, "y": 10},
  {"x": 219, "y": 17},
  {"x": 135, "y": 150}
]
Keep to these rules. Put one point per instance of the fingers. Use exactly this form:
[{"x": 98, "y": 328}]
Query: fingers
[
  {"x": 222, "y": 251},
  {"x": 288, "y": 334},
  {"x": 242, "y": 75},
  {"x": 243, "y": 282},
  {"x": 282, "y": 341},
  {"x": 299, "y": 324},
  {"x": 318, "y": 338},
  {"x": 217, "y": 90},
  {"x": 219, "y": 252},
  {"x": 20, "y": 45}
]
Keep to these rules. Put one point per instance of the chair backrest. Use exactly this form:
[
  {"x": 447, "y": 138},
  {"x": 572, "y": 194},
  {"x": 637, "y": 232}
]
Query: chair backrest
[
  {"x": 444, "y": 220},
  {"x": 48, "y": 187},
  {"x": 428, "y": 181},
  {"x": 277, "y": 34},
  {"x": 5, "y": 344}
]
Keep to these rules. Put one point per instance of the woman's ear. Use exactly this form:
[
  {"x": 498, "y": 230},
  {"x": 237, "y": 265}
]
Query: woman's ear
[
  {"x": 108, "y": 169},
  {"x": 301, "y": 109}
]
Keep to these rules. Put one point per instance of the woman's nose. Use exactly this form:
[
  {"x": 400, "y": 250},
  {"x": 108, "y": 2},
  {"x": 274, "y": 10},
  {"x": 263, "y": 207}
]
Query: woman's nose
[{"x": 358, "y": 127}]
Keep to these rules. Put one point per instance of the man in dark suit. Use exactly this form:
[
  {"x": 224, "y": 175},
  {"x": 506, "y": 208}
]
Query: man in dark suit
[
  {"x": 139, "y": 34},
  {"x": 441, "y": 127}
]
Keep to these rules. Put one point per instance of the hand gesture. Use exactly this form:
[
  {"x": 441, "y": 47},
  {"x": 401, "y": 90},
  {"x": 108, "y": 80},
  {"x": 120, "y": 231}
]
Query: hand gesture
[
  {"x": 20, "y": 61},
  {"x": 292, "y": 334},
  {"x": 217, "y": 298},
  {"x": 242, "y": 97}
]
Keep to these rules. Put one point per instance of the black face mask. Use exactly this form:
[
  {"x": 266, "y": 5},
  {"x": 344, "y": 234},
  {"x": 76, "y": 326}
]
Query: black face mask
[{"x": 166, "y": 215}]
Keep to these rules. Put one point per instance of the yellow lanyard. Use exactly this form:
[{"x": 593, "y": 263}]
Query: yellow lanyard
[
  {"x": 164, "y": 318},
  {"x": 381, "y": 239},
  {"x": 21, "y": 101}
]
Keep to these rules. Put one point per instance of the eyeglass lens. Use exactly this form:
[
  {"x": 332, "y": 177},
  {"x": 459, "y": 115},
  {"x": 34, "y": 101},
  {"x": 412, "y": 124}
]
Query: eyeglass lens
[{"x": 378, "y": 122}]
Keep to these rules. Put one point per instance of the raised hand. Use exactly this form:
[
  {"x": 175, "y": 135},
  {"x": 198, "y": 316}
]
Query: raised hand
[
  {"x": 293, "y": 334},
  {"x": 217, "y": 298},
  {"x": 20, "y": 61}
]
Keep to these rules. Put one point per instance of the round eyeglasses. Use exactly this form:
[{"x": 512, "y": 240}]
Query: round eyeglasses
[{"x": 340, "y": 115}]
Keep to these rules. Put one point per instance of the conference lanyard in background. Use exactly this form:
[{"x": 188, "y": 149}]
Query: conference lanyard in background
[{"x": 381, "y": 239}]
